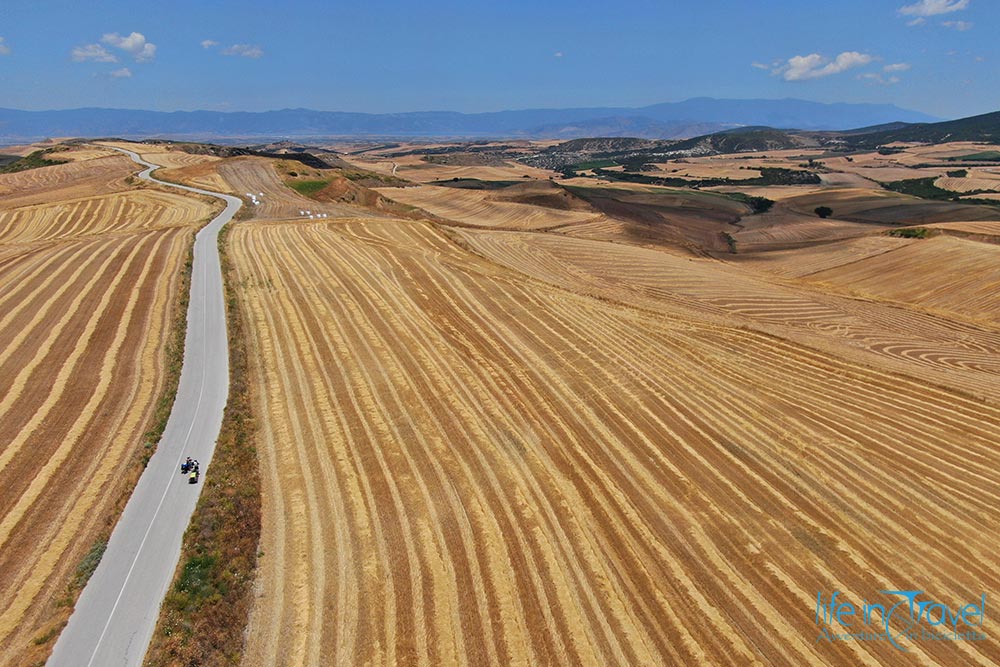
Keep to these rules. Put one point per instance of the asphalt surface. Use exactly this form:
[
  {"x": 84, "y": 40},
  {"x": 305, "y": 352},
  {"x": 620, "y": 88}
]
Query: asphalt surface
[{"x": 117, "y": 611}]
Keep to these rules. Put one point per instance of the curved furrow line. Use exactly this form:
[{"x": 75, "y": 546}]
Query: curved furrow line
[
  {"x": 46, "y": 347},
  {"x": 416, "y": 346},
  {"x": 557, "y": 467},
  {"x": 777, "y": 463},
  {"x": 53, "y": 550},
  {"x": 30, "y": 290},
  {"x": 377, "y": 529},
  {"x": 414, "y": 471},
  {"x": 543, "y": 422},
  {"x": 305, "y": 580}
]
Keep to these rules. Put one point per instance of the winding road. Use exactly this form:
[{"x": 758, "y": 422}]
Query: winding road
[{"x": 117, "y": 611}]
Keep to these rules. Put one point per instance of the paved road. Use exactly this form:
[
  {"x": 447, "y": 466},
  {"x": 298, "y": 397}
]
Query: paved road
[{"x": 116, "y": 614}]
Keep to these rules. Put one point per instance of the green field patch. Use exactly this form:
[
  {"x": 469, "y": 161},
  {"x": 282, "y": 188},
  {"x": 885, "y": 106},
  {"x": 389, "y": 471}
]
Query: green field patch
[
  {"x": 985, "y": 156},
  {"x": 473, "y": 184},
  {"x": 592, "y": 164},
  {"x": 920, "y": 187},
  {"x": 309, "y": 188}
]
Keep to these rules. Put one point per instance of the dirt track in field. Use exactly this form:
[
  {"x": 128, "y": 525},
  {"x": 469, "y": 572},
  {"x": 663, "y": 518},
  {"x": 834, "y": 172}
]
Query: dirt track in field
[
  {"x": 88, "y": 288},
  {"x": 511, "y": 456}
]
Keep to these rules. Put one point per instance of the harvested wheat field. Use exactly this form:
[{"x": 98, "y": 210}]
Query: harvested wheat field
[
  {"x": 413, "y": 168},
  {"x": 782, "y": 228},
  {"x": 959, "y": 353},
  {"x": 798, "y": 262},
  {"x": 983, "y": 228},
  {"x": 88, "y": 294},
  {"x": 257, "y": 176},
  {"x": 146, "y": 209},
  {"x": 956, "y": 276},
  {"x": 483, "y": 458},
  {"x": 81, "y": 153},
  {"x": 974, "y": 184},
  {"x": 81, "y": 178},
  {"x": 482, "y": 208}
]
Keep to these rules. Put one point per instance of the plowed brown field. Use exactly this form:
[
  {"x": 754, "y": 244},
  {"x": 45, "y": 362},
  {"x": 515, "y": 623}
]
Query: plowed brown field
[
  {"x": 88, "y": 291},
  {"x": 499, "y": 448}
]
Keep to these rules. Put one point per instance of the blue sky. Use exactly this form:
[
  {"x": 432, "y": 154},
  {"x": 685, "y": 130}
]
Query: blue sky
[{"x": 937, "y": 56}]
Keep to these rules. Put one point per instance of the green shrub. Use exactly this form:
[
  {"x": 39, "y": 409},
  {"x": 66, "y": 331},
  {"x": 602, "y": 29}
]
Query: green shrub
[
  {"x": 911, "y": 233},
  {"x": 756, "y": 204},
  {"x": 89, "y": 563}
]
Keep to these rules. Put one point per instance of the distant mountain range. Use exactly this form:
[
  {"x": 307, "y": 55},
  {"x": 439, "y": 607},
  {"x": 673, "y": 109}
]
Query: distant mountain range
[
  {"x": 633, "y": 153},
  {"x": 983, "y": 128},
  {"x": 671, "y": 120}
]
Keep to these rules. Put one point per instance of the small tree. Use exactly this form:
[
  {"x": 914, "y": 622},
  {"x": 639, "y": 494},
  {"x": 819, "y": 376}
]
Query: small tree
[{"x": 824, "y": 211}]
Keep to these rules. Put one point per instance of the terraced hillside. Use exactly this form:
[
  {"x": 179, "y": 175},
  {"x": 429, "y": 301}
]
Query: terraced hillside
[
  {"x": 89, "y": 293},
  {"x": 510, "y": 456}
]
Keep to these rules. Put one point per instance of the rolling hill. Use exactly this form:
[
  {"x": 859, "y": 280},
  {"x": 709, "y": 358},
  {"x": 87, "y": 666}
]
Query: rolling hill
[{"x": 984, "y": 128}]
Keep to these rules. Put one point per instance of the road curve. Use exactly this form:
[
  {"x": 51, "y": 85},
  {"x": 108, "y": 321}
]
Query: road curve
[{"x": 116, "y": 614}]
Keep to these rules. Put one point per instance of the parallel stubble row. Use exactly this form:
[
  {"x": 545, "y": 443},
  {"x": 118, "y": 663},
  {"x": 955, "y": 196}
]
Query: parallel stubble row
[{"x": 462, "y": 465}]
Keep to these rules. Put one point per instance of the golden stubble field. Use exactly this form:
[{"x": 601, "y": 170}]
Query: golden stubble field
[
  {"x": 90, "y": 268},
  {"x": 558, "y": 424},
  {"x": 485, "y": 446}
]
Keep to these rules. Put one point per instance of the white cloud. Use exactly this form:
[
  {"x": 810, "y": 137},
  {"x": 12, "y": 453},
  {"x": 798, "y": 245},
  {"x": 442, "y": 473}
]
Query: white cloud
[
  {"x": 123, "y": 73},
  {"x": 134, "y": 44},
  {"x": 815, "y": 66},
  {"x": 245, "y": 50},
  {"x": 558, "y": 54},
  {"x": 4, "y": 49},
  {"x": 760, "y": 65},
  {"x": 897, "y": 67},
  {"x": 957, "y": 25},
  {"x": 917, "y": 21},
  {"x": 94, "y": 52},
  {"x": 877, "y": 78},
  {"x": 208, "y": 43},
  {"x": 933, "y": 7}
]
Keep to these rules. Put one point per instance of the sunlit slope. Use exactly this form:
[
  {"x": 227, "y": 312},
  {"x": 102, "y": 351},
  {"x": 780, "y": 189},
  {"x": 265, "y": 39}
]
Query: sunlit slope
[{"x": 466, "y": 465}]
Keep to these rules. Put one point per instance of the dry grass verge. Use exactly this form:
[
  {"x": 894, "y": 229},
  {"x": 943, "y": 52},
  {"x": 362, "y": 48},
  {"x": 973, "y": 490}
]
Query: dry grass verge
[{"x": 204, "y": 614}]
